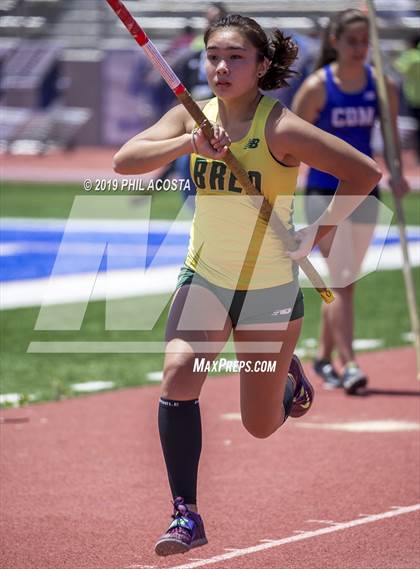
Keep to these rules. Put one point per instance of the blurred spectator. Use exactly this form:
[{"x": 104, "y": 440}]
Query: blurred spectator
[
  {"x": 186, "y": 57},
  {"x": 340, "y": 97},
  {"x": 181, "y": 42},
  {"x": 178, "y": 49},
  {"x": 215, "y": 11},
  {"x": 408, "y": 64},
  {"x": 193, "y": 75}
]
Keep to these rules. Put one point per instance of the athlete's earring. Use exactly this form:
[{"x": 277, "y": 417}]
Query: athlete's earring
[{"x": 260, "y": 74}]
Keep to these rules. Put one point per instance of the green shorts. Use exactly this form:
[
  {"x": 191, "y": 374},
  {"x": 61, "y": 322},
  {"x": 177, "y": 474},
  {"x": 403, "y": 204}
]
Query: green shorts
[{"x": 263, "y": 306}]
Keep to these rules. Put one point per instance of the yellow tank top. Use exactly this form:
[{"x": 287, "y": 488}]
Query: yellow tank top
[{"x": 225, "y": 218}]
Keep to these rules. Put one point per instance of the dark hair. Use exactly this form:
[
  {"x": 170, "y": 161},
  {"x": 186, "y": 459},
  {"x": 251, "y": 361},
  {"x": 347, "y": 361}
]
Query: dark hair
[
  {"x": 336, "y": 27},
  {"x": 280, "y": 50}
]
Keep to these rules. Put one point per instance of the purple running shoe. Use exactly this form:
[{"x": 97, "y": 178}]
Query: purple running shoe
[
  {"x": 304, "y": 392},
  {"x": 185, "y": 532}
]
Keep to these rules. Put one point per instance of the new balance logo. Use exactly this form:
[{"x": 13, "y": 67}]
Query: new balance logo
[
  {"x": 252, "y": 143},
  {"x": 281, "y": 312}
]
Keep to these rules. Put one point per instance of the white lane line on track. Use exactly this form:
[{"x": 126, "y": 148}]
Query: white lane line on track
[
  {"x": 326, "y": 521},
  {"x": 385, "y": 426},
  {"x": 305, "y": 535},
  {"x": 141, "y": 567}
]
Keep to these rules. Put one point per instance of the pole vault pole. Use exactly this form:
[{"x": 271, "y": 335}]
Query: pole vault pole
[
  {"x": 394, "y": 167},
  {"x": 266, "y": 212}
]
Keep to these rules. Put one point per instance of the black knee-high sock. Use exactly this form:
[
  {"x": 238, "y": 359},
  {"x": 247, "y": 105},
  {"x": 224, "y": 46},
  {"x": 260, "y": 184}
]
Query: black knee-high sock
[{"x": 180, "y": 436}]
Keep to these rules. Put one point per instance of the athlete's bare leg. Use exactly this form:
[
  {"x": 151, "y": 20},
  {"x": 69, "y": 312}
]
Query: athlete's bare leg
[
  {"x": 262, "y": 393},
  {"x": 344, "y": 252},
  {"x": 197, "y": 321}
]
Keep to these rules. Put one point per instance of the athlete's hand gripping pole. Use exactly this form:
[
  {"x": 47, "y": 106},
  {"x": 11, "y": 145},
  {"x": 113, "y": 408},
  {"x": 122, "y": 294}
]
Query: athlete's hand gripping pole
[
  {"x": 394, "y": 168},
  {"x": 266, "y": 211}
]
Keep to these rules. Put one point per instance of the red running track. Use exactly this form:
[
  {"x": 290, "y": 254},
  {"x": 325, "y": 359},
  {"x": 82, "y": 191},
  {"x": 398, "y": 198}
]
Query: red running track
[{"x": 83, "y": 484}]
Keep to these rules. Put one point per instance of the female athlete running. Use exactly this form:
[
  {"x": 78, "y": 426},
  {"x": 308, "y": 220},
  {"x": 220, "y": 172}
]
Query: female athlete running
[
  {"x": 238, "y": 278},
  {"x": 340, "y": 98}
]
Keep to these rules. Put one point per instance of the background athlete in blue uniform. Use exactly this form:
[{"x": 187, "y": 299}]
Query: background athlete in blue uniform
[{"x": 340, "y": 97}]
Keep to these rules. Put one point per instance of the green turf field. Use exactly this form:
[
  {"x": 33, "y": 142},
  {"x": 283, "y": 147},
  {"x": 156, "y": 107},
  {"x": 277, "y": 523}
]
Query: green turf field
[
  {"x": 56, "y": 200},
  {"x": 381, "y": 312}
]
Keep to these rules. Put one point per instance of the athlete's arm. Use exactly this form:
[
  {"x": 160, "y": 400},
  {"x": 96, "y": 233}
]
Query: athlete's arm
[
  {"x": 158, "y": 145},
  {"x": 293, "y": 140},
  {"x": 165, "y": 141},
  {"x": 309, "y": 100}
]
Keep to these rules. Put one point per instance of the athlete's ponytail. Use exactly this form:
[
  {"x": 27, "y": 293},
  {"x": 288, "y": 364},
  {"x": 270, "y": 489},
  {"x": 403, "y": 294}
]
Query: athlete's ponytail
[
  {"x": 335, "y": 28},
  {"x": 282, "y": 54},
  {"x": 280, "y": 50}
]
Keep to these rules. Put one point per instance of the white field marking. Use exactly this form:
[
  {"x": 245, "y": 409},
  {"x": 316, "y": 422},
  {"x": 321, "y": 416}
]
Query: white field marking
[
  {"x": 10, "y": 249},
  {"x": 367, "y": 344},
  {"x": 301, "y": 352},
  {"x": 231, "y": 416},
  {"x": 310, "y": 343},
  {"x": 12, "y": 398},
  {"x": 324, "y": 521},
  {"x": 141, "y": 567},
  {"x": 76, "y": 288},
  {"x": 139, "y": 225},
  {"x": 408, "y": 336},
  {"x": 154, "y": 376},
  {"x": 92, "y": 386},
  {"x": 294, "y": 538},
  {"x": 386, "y": 426},
  {"x": 86, "y": 249},
  {"x": 97, "y": 225},
  {"x": 360, "y": 344}
]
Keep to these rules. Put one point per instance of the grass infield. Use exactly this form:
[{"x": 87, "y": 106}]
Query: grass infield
[
  {"x": 381, "y": 311},
  {"x": 381, "y": 316}
]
